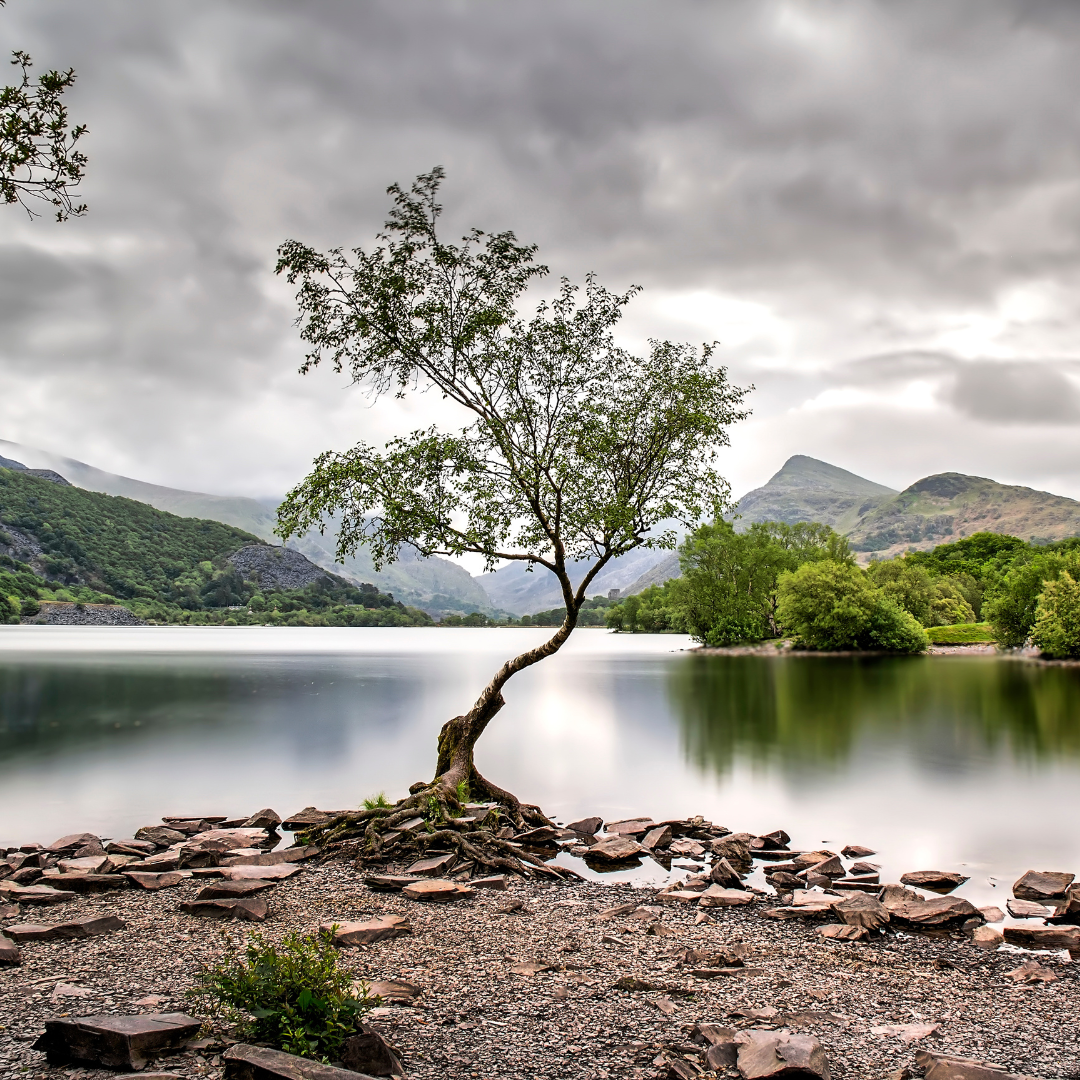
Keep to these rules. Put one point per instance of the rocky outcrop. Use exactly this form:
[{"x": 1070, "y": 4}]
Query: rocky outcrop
[
  {"x": 56, "y": 613},
  {"x": 277, "y": 567}
]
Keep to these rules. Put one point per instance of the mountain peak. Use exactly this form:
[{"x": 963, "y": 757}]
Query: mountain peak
[{"x": 802, "y": 471}]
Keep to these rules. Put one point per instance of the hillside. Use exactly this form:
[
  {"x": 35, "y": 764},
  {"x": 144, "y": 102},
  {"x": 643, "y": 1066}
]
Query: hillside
[
  {"x": 433, "y": 584},
  {"x": 59, "y": 543},
  {"x": 806, "y": 489},
  {"x": 946, "y": 507}
]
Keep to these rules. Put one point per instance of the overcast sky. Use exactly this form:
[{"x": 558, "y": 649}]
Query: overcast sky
[{"x": 874, "y": 207}]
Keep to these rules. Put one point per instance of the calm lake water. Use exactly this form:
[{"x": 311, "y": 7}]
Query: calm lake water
[{"x": 968, "y": 763}]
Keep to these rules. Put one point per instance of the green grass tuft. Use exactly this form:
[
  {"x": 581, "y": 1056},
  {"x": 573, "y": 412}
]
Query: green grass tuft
[
  {"x": 960, "y": 634},
  {"x": 377, "y": 802}
]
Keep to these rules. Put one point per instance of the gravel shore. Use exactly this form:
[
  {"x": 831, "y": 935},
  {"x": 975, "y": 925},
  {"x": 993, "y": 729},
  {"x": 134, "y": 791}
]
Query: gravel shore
[{"x": 476, "y": 1018}]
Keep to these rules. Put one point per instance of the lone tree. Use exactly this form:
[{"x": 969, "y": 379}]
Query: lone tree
[{"x": 577, "y": 452}]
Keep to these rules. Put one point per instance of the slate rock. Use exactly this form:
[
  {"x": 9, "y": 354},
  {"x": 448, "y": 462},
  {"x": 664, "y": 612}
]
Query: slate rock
[
  {"x": 39, "y": 895},
  {"x": 22, "y": 932},
  {"x": 937, "y": 911},
  {"x": 734, "y": 848},
  {"x": 1045, "y": 937},
  {"x": 244, "y": 1062},
  {"x": 90, "y": 883},
  {"x": 9, "y": 911},
  {"x": 26, "y": 875},
  {"x": 586, "y": 826},
  {"x": 160, "y": 835},
  {"x": 9, "y": 952},
  {"x": 229, "y": 890},
  {"x": 862, "y": 910},
  {"x": 992, "y": 914},
  {"x": 615, "y": 849},
  {"x": 947, "y": 1067},
  {"x": 88, "y": 864},
  {"x": 987, "y": 938},
  {"x": 263, "y": 819},
  {"x": 164, "y": 880},
  {"x": 811, "y": 858},
  {"x": 939, "y": 881},
  {"x": 388, "y": 882},
  {"x": 244, "y": 908},
  {"x": 369, "y": 1053},
  {"x": 72, "y": 842},
  {"x": 843, "y": 932},
  {"x": 381, "y": 928},
  {"x": 773, "y": 1054},
  {"x": 274, "y": 872},
  {"x": 544, "y": 836},
  {"x": 498, "y": 882},
  {"x": 307, "y": 817},
  {"x": 718, "y": 896},
  {"x": 1068, "y": 911},
  {"x": 630, "y": 826},
  {"x": 723, "y": 873},
  {"x": 1042, "y": 885},
  {"x": 432, "y": 867},
  {"x": 1027, "y": 909},
  {"x": 657, "y": 839},
  {"x": 437, "y": 890},
  {"x": 90, "y": 926},
  {"x": 115, "y": 1042},
  {"x": 830, "y": 868},
  {"x": 130, "y": 847},
  {"x": 1032, "y": 972},
  {"x": 393, "y": 990},
  {"x": 855, "y": 851}
]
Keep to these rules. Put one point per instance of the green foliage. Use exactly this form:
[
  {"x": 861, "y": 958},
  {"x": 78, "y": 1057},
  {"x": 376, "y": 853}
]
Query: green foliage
[
  {"x": 578, "y": 449},
  {"x": 961, "y": 634},
  {"x": 463, "y": 791},
  {"x": 976, "y": 555},
  {"x": 933, "y": 601},
  {"x": 377, "y": 802},
  {"x": 10, "y": 608},
  {"x": 593, "y": 612},
  {"x": 647, "y": 612},
  {"x": 831, "y": 605},
  {"x": 294, "y": 996},
  {"x": 1056, "y": 632},
  {"x": 38, "y": 158},
  {"x": 1011, "y": 608}
]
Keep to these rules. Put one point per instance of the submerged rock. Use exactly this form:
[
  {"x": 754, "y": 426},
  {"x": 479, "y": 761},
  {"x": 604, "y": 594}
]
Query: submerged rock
[
  {"x": 1041, "y": 885},
  {"x": 940, "y": 881}
]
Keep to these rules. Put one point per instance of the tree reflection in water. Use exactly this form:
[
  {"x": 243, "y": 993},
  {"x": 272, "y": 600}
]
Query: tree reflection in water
[{"x": 812, "y": 712}]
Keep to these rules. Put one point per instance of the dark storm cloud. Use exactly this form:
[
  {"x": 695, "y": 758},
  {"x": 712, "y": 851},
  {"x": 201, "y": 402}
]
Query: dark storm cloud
[{"x": 868, "y": 172}]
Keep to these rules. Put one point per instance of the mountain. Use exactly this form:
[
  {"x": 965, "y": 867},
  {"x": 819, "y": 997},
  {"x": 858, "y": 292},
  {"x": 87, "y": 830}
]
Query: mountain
[
  {"x": 806, "y": 489},
  {"x": 948, "y": 506},
  {"x": 515, "y": 589},
  {"x": 435, "y": 585}
]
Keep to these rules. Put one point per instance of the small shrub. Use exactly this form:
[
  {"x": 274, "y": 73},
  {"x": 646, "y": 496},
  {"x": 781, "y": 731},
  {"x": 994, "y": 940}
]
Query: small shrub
[
  {"x": 293, "y": 996},
  {"x": 1057, "y": 618},
  {"x": 377, "y": 802}
]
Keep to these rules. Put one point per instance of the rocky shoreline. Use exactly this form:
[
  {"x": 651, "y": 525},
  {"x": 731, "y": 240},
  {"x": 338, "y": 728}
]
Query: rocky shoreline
[{"x": 542, "y": 977}]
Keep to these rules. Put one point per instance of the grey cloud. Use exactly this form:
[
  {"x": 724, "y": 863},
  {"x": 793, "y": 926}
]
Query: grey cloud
[{"x": 1027, "y": 392}]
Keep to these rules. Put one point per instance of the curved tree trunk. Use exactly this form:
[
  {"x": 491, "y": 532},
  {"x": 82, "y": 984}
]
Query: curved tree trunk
[{"x": 459, "y": 735}]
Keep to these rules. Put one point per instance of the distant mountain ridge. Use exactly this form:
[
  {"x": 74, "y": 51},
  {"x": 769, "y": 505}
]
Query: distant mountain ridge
[
  {"x": 435, "y": 585},
  {"x": 881, "y": 523}
]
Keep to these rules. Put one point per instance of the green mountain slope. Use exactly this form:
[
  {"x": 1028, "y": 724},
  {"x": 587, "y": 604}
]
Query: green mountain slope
[
  {"x": 946, "y": 507},
  {"x": 435, "y": 584},
  {"x": 806, "y": 489},
  {"x": 61, "y": 543}
]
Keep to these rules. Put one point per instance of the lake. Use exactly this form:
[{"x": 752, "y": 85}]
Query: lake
[{"x": 967, "y": 762}]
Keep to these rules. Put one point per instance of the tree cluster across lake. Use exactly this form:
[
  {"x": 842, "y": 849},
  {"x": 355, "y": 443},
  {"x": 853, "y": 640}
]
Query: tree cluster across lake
[{"x": 801, "y": 581}]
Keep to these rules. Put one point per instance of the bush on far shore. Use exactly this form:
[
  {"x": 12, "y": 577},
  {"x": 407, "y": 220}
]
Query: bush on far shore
[
  {"x": 831, "y": 605},
  {"x": 1057, "y": 618}
]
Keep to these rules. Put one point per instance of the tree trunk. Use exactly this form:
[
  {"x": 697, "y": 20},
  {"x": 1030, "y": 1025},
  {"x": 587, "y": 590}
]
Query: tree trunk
[{"x": 459, "y": 735}]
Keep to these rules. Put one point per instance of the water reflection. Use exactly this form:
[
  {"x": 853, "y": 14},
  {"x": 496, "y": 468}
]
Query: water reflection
[{"x": 812, "y": 713}]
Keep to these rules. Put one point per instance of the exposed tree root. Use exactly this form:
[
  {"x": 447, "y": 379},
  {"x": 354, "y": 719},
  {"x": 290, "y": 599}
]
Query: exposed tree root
[{"x": 375, "y": 836}]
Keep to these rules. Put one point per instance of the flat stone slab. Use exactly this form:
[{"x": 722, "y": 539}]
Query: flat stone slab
[
  {"x": 164, "y": 880},
  {"x": 273, "y": 858},
  {"x": 1027, "y": 909},
  {"x": 73, "y": 841},
  {"x": 432, "y": 867},
  {"x": 941, "y": 881},
  {"x": 9, "y": 952},
  {"x": 244, "y": 908},
  {"x": 89, "y": 883},
  {"x": 40, "y": 895},
  {"x": 498, "y": 882},
  {"x": 381, "y": 928},
  {"x": 937, "y": 911},
  {"x": 586, "y": 826},
  {"x": 29, "y": 932},
  {"x": 630, "y": 826},
  {"x": 244, "y": 1062},
  {"x": 88, "y": 864},
  {"x": 843, "y": 932},
  {"x": 1044, "y": 937},
  {"x": 394, "y": 990},
  {"x": 231, "y": 890},
  {"x": 765, "y": 1054},
  {"x": 388, "y": 882},
  {"x": 91, "y": 926},
  {"x": 717, "y": 896},
  {"x": 275, "y": 872},
  {"x": 160, "y": 835},
  {"x": 615, "y": 849},
  {"x": 947, "y": 1067},
  {"x": 437, "y": 890},
  {"x": 115, "y": 1042},
  {"x": 1042, "y": 885},
  {"x": 861, "y": 910}
]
